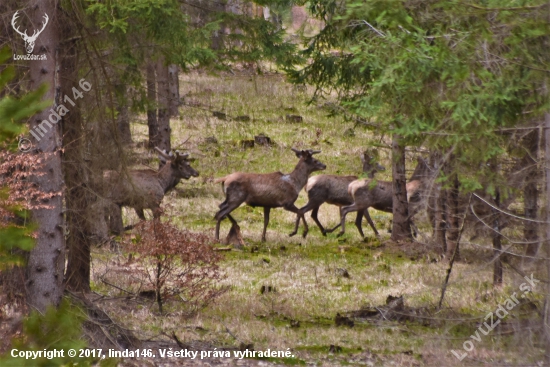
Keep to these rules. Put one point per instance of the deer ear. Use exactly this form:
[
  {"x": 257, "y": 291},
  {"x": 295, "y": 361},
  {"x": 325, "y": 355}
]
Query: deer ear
[{"x": 299, "y": 153}]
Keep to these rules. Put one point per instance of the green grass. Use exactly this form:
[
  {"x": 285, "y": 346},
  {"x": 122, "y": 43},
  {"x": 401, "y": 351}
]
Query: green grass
[{"x": 305, "y": 274}]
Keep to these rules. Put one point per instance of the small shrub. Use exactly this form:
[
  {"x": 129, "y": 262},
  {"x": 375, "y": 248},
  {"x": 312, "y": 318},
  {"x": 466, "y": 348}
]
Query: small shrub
[{"x": 177, "y": 264}]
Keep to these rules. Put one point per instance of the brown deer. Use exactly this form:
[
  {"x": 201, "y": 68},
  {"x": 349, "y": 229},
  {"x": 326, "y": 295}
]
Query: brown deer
[
  {"x": 145, "y": 189},
  {"x": 333, "y": 189},
  {"x": 367, "y": 193},
  {"x": 270, "y": 190}
]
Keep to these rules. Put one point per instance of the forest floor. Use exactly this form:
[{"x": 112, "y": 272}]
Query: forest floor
[{"x": 317, "y": 278}]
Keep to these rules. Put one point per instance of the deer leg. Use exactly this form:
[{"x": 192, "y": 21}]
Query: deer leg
[
  {"x": 316, "y": 220},
  {"x": 115, "y": 219},
  {"x": 266, "y": 221},
  {"x": 222, "y": 213},
  {"x": 141, "y": 214},
  {"x": 345, "y": 211},
  {"x": 338, "y": 225},
  {"x": 358, "y": 223},
  {"x": 294, "y": 209},
  {"x": 296, "y": 224},
  {"x": 303, "y": 210},
  {"x": 231, "y": 219},
  {"x": 414, "y": 229},
  {"x": 371, "y": 223}
]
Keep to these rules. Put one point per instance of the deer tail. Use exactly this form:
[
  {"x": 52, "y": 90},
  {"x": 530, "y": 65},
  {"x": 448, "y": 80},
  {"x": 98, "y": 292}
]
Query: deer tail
[{"x": 222, "y": 180}]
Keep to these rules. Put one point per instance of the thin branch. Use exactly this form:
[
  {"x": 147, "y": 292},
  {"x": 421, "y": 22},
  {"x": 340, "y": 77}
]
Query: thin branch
[
  {"x": 507, "y": 213},
  {"x": 381, "y": 34}
]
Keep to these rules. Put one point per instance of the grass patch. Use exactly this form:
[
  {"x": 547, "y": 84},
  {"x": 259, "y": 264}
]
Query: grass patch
[{"x": 307, "y": 274}]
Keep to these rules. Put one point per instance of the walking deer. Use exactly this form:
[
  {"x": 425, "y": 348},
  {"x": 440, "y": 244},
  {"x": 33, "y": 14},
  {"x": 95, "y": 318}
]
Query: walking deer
[
  {"x": 270, "y": 190},
  {"x": 368, "y": 193},
  {"x": 333, "y": 189},
  {"x": 145, "y": 189}
]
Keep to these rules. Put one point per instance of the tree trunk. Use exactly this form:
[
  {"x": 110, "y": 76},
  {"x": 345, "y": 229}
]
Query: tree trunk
[
  {"x": 401, "y": 229},
  {"x": 47, "y": 259},
  {"x": 218, "y": 35},
  {"x": 79, "y": 199},
  {"x": 530, "y": 195},
  {"x": 546, "y": 321},
  {"x": 163, "y": 105},
  {"x": 437, "y": 207},
  {"x": 123, "y": 117},
  {"x": 174, "y": 86},
  {"x": 152, "y": 105},
  {"x": 453, "y": 227},
  {"x": 497, "y": 245}
]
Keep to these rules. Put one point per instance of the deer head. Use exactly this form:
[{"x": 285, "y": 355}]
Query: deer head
[
  {"x": 307, "y": 156},
  {"x": 370, "y": 164},
  {"x": 29, "y": 40},
  {"x": 179, "y": 163}
]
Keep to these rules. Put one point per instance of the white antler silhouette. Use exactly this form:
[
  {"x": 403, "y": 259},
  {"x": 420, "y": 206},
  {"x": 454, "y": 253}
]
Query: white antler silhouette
[{"x": 29, "y": 40}]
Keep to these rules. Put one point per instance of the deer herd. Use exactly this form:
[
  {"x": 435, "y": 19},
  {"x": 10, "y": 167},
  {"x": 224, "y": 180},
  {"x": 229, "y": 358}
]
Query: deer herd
[{"x": 145, "y": 189}]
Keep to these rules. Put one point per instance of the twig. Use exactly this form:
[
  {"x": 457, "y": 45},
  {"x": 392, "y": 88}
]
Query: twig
[
  {"x": 382, "y": 313},
  {"x": 371, "y": 27},
  {"x": 229, "y": 331},
  {"x": 112, "y": 285}
]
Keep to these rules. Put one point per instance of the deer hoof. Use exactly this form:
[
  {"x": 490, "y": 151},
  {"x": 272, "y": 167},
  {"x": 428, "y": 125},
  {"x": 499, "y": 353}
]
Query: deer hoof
[
  {"x": 292, "y": 234},
  {"x": 340, "y": 234}
]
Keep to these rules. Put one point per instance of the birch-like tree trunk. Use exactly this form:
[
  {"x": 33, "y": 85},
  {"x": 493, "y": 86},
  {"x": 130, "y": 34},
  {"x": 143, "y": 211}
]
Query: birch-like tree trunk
[{"x": 47, "y": 259}]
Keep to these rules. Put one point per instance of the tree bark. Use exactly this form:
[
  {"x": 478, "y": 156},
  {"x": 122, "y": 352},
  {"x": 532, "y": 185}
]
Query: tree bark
[
  {"x": 437, "y": 207},
  {"x": 78, "y": 198},
  {"x": 174, "y": 86},
  {"x": 47, "y": 259},
  {"x": 123, "y": 117},
  {"x": 163, "y": 97},
  {"x": 152, "y": 122},
  {"x": 401, "y": 228},
  {"x": 497, "y": 245},
  {"x": 546, "y": 321},
  {"x": 218, "y": 35},
  {"x": 453, "y": 227},
  {"x": 530, "y": 195}
]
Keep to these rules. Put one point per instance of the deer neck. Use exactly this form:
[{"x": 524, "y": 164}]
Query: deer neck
[
  {"x": 299, "y": 176},
  {"x": 166, "y": 177}
]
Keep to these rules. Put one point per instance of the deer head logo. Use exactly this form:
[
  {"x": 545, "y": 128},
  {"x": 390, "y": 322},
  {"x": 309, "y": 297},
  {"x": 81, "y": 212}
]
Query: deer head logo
[{"x": 29, "y": 40}]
